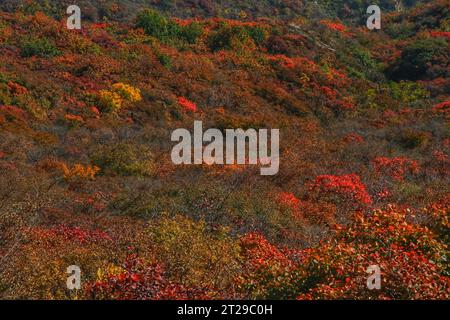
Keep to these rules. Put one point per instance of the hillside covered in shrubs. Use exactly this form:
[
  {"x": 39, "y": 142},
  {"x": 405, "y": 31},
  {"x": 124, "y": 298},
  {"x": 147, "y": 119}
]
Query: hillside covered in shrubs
[{"x": 86, "y": 176}]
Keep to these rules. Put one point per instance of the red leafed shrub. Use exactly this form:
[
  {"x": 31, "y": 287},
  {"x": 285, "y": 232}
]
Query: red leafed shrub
[
  {"x": 267, "y": 270},
  {"x": 439, "y": 163},
  {"x": 12, "y": 111},
  {"x": 383, "y": 194},
  {"x": 440, "y": 156},
  {"x": 346, "y": 103},
  {"x": 396, "y": 168},
  {"x": 288, "y": 199},
  {"x": 306, "y": 64},
  {"x": 73, "y": 118},
  {"x": 187, "y": 105},
  {"x": 17, "y": 88},
  {"x": 259, "y": 252},
  {"x": 347, "y": 187},
  {"x": 440, "y": 34},
  {"x": 353, "y": 138},
  {"x": 285, "y": 61},
  {"x": 443, "y": 107},
  {"x": 336, "y": 26},
  {"x": 135, "y": 280},
  {"x": 436, "y": 216},
  {"x": 305, "y": 210},
  {"x": 411, "y": 260},
  {"x": 329, "y": 93},
  {"x": 317, "y": 212},
  {"x": 71, "y": 234},
  {"x": 99, "y": 25}
]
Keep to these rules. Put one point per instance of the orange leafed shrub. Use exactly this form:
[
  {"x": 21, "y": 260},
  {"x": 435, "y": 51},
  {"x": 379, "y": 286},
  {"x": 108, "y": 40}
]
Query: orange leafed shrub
[
  {"x": 80, "y": 171},
  {"x": 95, "y": 111},
  {"x": 74, "y": 118},
  {"x": 17, "y": 88}
]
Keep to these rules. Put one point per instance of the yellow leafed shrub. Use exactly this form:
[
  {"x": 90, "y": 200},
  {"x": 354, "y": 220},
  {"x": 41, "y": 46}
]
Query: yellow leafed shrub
[
  {"x": 110, "y": 101},
  {"x": 120, "y": 94},
  {"x": 127, "y": 92}
]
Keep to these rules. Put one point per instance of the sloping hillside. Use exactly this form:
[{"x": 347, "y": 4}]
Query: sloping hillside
[{"x": 86, "y": 176}]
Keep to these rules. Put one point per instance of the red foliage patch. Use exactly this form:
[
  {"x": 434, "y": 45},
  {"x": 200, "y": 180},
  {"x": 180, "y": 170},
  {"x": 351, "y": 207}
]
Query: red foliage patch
[
  {"x": 17, "y": 88},
  {"x": 353, "y": 138},
  {"x": 187, "y": 105},
  {"x": 396, "y": 168},
  {"x": 138, "y": 281},
  {"x": 437, "y": 34},
  {"x": 13, "y": 111},
  {"x": 289, "y": 199},
  {"x": 443, "y": 107},
  {"x": 71, "y": 234},
  {"x": 405, "y": 252},
  {"x": 336, "y": 26},
  {"x": 348, "y": 186},
  {"x": 260, "y": 252}
]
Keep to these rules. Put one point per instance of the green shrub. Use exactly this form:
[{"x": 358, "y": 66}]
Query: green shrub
[
  {"x": 413, "y": 139},
  {"x": 191, "y": 32},
  {"x": 228, "y": 38},
  {"x": 43, "y": 48},
  {"x": 154, "y": 24},
  {"x": 407, "y": 191},
  {"x": 3, "y": 78},
  {"x": 5, "y": 95},
  {"x": 423, "y": 59},
  {"x": 124, "y": 159},
  {"x": 235, "y": 37},
  {"x": 165, "y": 60},
  {"x": 407, "y": 92},
  {"x": 259, "y": 35},
  {"x": 403, "y": 30},
  {"x": 166, "y": 30}
]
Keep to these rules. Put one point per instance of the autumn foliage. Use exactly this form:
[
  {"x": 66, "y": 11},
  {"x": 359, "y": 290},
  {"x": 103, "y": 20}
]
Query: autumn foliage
[{"x": 86, "y": 176}]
